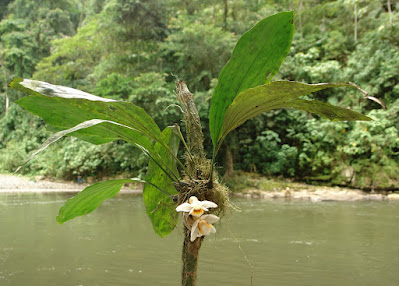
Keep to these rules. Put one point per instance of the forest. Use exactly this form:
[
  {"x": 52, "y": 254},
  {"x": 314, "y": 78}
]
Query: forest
[{"x": 136, "y": 51}]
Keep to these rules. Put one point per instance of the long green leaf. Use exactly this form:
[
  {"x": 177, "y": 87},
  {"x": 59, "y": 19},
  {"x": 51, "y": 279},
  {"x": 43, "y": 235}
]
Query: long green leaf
[
  {"x": 255, "y": 60},
  {"x": 89, "y": 199},
  {"x": 160, "y": 207},
  {"x": 327, "y": 111},
  {"x": 283, "y": 94},
  {"x": 55, "y": 137},
  {"x": 63, "y": 108}
]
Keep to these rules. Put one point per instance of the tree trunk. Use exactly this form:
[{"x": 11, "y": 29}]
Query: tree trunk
[
  {"x": 190, "y": 259},
  {"x": 323, "y": 24},
  {"x": 226, "y": 12},
  {"x": 355, "y": 28},
  {"x": 229, "y": 162},
  {"x": 5, "y": 79},
  {"x": 82, "y": 15},
  {"x": 389, "y": 12},
  {"x": 7, "y": 104},
  {"x": 189, "y": 6},
  {"x": 300, "y": 18},
  {"x": 195, "y": 157}
]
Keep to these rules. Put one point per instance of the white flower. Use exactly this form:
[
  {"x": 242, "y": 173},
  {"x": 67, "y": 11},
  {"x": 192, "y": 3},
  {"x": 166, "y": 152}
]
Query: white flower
[
  {"x": 195, "y": 207},
  {"x": 203, "y": 226}
]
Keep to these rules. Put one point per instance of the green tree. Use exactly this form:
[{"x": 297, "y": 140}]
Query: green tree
[{"x": 197, "y": 51}]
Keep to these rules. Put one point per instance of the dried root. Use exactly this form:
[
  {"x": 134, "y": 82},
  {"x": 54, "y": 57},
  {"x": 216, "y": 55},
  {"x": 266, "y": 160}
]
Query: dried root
[{"x": 199, "y": 188}]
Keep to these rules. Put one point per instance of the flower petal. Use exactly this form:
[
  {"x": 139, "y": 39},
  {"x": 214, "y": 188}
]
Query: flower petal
[
  {"x": 204, "y": 227},
  {"x": 194, "y": 231},
  {"x": 210, "y": 218},
  {"x": 192, "y": 200},
  {"x": 194, "y": 235},
  {"x": 208, "y": 204},
  {"x": 184, "y": 207}
]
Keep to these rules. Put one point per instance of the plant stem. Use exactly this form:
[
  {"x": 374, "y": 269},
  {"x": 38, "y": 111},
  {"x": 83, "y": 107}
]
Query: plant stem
[
  {"x": 190, "y": 259},
  {"x": 194, "y": 161},
  {"x": 191, "y": 119}
]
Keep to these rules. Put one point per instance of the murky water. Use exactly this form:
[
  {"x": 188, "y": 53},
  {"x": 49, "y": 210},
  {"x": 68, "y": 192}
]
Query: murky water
[{"x": 286, "y": 243}]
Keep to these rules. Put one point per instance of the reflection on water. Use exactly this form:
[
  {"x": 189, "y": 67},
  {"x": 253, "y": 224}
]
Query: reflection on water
[{"x": 287, "y": 243}]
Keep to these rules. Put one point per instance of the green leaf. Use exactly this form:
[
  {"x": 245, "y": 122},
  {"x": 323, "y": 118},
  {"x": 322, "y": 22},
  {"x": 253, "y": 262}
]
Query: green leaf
[
  {"x": 283, "y": 94},
  {"x": 255, "y": 60},
  {"x": 160, "y": 207},
  {"x": 55, "y": 137},
  {"x": 89, "y": 199},
  {"x": 64, "y": 107},
  {"x": 326, "y": 110}
]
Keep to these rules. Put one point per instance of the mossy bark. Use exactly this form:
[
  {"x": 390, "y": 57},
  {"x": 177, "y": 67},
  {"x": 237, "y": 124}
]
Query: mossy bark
[
  {"x": 190, "y": 259},
  {"x": 195, "y": 158}
]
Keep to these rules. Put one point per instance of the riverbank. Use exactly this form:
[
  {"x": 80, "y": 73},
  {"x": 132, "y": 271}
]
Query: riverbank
[
  {"x": 318, "y": 194},
  {"x": 258, "y": 188},
  {"x": 19, "y": 184},
  {"x": 251, "y": 185}
]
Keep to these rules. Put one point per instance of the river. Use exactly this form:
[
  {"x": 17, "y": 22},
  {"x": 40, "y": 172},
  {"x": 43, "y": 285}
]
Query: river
[{"x": 271, "y": 242}]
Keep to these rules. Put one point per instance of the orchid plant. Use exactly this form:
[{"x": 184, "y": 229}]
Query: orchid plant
[
  {"x": 244, "y": 90},
  {"x": 195, "y": 220}
]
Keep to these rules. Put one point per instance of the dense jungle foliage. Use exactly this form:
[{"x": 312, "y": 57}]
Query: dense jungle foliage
[{"x": 135, "y": 50}]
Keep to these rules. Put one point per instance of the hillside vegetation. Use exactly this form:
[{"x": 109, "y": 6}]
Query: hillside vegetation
[{"x": 135, "y": 51}]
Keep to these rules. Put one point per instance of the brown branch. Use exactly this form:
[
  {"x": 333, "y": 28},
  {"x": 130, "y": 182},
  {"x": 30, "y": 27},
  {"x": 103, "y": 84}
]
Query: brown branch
[
  {"x": 195, "y": 158},
  {"x": 195, "y": 161},
  {"x": 190, "y": 259}
]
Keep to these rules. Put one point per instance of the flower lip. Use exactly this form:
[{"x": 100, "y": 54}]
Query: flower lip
[
  {"x": 203, "y": 226},
  {"x": 197, "y": 210}
]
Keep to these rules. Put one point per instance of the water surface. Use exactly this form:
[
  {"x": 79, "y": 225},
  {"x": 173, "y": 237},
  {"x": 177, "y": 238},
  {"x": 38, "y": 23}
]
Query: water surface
[{"x": 286, "y": 243}]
